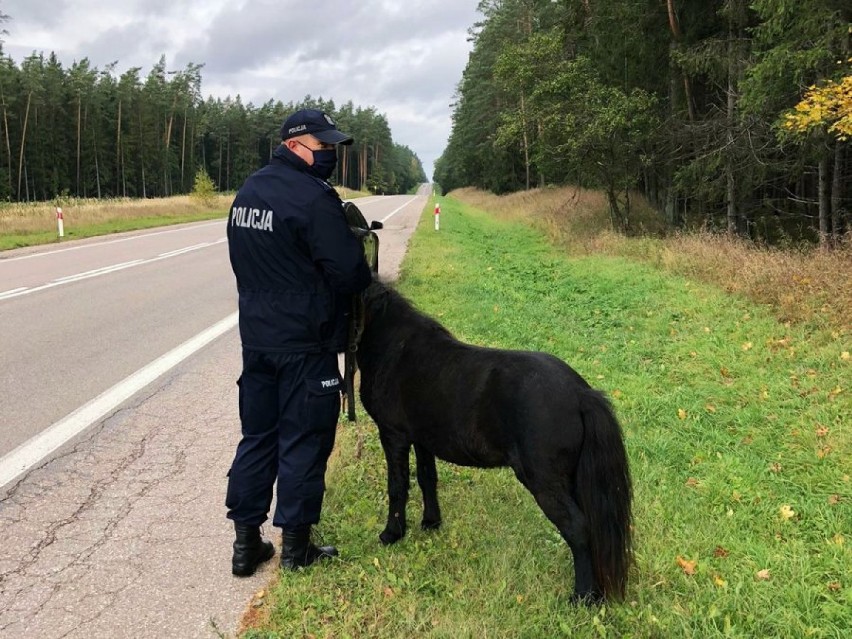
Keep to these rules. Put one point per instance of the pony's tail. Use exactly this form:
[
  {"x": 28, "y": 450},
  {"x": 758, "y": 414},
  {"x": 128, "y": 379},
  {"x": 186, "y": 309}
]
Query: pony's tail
[{"x": 604, "y": 493}]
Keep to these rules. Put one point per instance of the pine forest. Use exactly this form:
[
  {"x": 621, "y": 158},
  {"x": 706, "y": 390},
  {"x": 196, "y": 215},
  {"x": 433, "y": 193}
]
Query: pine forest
[
  {"x": 723, "y": 114},
  {"x": 90, "y": 133}
]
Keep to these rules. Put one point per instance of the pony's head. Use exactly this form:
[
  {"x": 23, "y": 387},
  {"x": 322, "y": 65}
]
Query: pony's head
[
  {"x": 385, "y": 305},
  {"x": 375, "y": 298}
]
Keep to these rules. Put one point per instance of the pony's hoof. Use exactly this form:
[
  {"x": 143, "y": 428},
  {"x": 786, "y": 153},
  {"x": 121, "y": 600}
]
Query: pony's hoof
[
  {"x": 430, "y": 525},
  {"x": 588, "y": 599},
  {"x": 387, "y": 538}
]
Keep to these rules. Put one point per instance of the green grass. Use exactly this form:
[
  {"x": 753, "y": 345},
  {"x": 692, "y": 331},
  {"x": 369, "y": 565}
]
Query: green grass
[{"x": 731, "y": 421}]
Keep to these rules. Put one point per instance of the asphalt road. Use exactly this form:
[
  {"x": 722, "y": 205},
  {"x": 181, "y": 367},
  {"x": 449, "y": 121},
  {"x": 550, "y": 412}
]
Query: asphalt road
[
  {"x": 93, "y": 314},
  {"x": 121, "y": 531}
]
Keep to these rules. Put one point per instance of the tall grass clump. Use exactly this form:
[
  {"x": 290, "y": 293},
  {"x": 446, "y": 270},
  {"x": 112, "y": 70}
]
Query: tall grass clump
[{"x": 736, "y": 426}]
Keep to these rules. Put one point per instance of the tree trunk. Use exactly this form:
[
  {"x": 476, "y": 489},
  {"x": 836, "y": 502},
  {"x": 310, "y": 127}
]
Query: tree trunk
[
  {"x": 79, "y": 137},
  {"x": 183, "y": 154},
  {"x": 677, "y": 36},
  {"x": 166, "y": 147},
  {"x": 824, "y": 203},
  {"x": 219, "y": 178},
  {"x": 142, "y": 154},
  {"x": 730, "y": 195},
  {"x": 119, "y": 171},
  {"x": 23, "y": 142},
  {"x": 670, "y": 205},
  {"x": 228, "y": 163},
  {"x": 8, "y": 141},
  {"x": 362, "y": 167},
  {"x": 731, "y": 184},
  {"x": 616, "y": 217},
  {"x": 81, "y": 176},
  {"x": 837, "y": 181},
  {"x": 193, "y": 168},
  {"x": 97, "y": 166},
  {"x": 525, "y": 141},
  {"x": 837, "y": 194}
]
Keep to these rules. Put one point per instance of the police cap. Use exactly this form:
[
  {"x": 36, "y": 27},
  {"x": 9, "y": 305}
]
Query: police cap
[{"x": 316, "y": 123}]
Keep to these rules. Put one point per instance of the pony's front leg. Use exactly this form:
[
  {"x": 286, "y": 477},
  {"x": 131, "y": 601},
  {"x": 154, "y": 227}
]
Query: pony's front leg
[
  {"x": 427, "y": 478},
  {"x": 396, "y": 449}
]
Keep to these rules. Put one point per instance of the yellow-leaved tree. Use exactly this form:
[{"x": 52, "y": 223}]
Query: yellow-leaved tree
[
  {"x": 826, "y": 110},
  {"x": 827, "y": 107}
]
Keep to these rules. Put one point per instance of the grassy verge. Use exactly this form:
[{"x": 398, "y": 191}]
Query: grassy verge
[
  {"x": 800, "y": 283},
  {"x": 351, "y": 194},
  {"x": 735, "y": 428},
  {"x": 34, "y": 224}
]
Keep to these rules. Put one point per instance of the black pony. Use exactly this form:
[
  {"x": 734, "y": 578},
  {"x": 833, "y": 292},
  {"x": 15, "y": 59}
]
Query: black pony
[{"x": 487, "y": 408}]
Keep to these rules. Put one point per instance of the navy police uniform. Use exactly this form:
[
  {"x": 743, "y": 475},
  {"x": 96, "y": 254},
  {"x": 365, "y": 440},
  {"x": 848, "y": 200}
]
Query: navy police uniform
[{"x": 297, "y": 265}]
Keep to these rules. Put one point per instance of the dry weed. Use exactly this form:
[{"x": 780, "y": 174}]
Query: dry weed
[{"x": 801, "y": 284}]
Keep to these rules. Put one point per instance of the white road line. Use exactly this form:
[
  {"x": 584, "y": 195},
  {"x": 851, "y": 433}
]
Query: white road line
[
  {"x": 186, "y": 249},
  {"x": 33, "y": 451},
  {"x": 365, "y": 200},
  {"x": 122, "y": 239},
  {"x": 392, "y": 213},
  {"x": 12, "y": 293},
  {"x": 17, "y": 292},
  {"x": 95, "y": 272}
]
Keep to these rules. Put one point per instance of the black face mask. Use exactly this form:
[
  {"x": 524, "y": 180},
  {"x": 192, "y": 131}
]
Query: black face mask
[{"x": 324, "y": 163}]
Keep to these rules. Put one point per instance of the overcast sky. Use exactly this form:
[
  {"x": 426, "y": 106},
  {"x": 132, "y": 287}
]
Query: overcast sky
[{"x": 404, "y": 57}]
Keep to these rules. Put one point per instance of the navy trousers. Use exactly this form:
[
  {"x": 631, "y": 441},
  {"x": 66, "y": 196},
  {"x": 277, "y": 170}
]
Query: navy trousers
[{"x": 289, "y": 404}]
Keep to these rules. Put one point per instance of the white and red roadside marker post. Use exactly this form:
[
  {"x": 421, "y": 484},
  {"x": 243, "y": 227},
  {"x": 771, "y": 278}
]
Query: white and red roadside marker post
[
  {"x": 59, "y": 222},
  {"x": 437, "y": 216}
]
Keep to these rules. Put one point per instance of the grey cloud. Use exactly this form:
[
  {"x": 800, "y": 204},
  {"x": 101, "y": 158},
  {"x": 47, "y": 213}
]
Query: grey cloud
[
  {"x": 404, "y": 57},
  {"x": 45, "y": 13},
  {"x": 244, "y": 37},
  {"x": 122, "y": 44}
]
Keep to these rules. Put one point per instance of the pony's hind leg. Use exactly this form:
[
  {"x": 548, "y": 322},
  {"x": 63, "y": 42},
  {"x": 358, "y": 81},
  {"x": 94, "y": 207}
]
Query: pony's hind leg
[
  {"x": 554, "y": 498},
  {"x": 427, "y": 478},
  {"x": 396, "y": 449},
  {"x": 576, "y": 535}
]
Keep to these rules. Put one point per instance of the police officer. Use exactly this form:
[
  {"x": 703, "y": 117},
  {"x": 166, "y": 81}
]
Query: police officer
[{"x": 297, "y": 265}]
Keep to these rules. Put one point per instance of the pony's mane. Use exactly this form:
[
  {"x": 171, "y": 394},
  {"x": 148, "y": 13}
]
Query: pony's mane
[{"x": 384, "y": 299}]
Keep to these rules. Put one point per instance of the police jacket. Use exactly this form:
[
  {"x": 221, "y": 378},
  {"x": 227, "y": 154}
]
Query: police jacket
[{"x": 296, "y": 262}]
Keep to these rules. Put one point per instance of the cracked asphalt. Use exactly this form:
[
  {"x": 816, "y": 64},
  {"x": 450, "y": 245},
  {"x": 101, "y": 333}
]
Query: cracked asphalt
[{"x": 123, "y": 533}]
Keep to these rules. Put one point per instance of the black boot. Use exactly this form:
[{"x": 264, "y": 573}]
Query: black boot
[
  {"x": 250, "y": 550},
  {"x": 297, "y": 551}
]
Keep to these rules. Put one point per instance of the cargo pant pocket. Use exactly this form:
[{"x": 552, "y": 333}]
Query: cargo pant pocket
[{"x": 322, "y": 403}]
